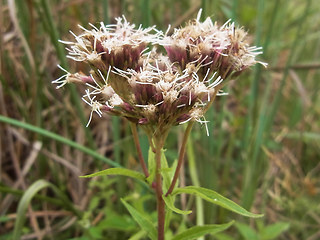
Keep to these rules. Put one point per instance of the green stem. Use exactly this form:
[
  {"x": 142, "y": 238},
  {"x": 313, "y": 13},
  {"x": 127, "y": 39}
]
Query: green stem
[
  {"x": 195, "y": 181},
  {"x": 160, "y": 202},
  {"x": 105, "y": 5},
  {"x": 137, "y": 144},
  {"x": 181, "y": 157}
]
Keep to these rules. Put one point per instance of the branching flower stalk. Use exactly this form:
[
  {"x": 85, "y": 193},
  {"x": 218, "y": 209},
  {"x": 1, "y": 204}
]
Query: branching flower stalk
[
  {"x": 181, "y": 157},
  {"x": 155, "y": 91},
  {"x": 137, "y": 144}
]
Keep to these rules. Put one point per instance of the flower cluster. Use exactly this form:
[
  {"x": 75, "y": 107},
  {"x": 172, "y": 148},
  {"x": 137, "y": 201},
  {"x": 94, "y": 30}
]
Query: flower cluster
[
  {"x": 154, "y": 90},
  {"x": 224, "y": 49}
]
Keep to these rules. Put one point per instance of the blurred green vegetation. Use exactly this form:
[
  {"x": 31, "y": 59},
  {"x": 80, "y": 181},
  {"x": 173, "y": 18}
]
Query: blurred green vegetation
[{"x": 264, "y": 145}]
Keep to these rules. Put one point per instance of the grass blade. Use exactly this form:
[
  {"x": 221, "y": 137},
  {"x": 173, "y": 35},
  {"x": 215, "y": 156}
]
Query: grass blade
[
  {"x": 27, "y": 197},
  {"x": 48, "y": 22},
  {"x": 58, "y": 138}
]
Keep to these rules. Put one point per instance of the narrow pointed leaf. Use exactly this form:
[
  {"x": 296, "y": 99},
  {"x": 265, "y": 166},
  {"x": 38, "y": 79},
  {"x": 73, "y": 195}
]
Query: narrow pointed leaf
[
  {"x": 142, "y": 220},
  {"x": 274, "y": 230},
  {"x": 139, "y": 235},
  {"x": 166, "y": 172},
  {"x": 117, "y": 171},
  {"x": 246, "y": 231},
  {"x": 151, "y": 166},
  {"x": 169, "y": 200},
  {"x": 198, "y": 231},
  {"x": 26, "y": 199},
  {"x": 215, "y": 198}
]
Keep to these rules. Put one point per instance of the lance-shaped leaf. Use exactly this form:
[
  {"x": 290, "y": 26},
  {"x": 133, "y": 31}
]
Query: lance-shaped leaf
[
  {"x": 151, "y": 166},
  {"x": 142, "y": 220},
  {"x": 166, "y": 171},
  {"x": 274, "y": 230},
  {"x": 247, "y": 232},
  {"x": 198, "y": 231},
  {"x": 117, "y": 171},
  {"x": 216, "y": 198},
  {"x": 169, "y": 200}
]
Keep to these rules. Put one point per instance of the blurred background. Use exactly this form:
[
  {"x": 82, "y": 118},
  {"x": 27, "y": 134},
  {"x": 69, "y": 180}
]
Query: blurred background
[{"x": 263, "y": 150}]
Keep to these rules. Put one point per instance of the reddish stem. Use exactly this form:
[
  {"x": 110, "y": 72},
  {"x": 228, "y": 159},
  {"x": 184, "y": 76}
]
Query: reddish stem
[
  {"x": 181, "y": 157},
  {"x": 137, "y": 144}
]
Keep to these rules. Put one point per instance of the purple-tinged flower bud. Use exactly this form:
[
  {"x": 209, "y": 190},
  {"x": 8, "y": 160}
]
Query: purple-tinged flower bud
[
  {"x": 85, "y": 79},
  {"x": 143, "y": 121},
  {"x": 72, "y": 78},
  {"x": 183, "y": 118}
]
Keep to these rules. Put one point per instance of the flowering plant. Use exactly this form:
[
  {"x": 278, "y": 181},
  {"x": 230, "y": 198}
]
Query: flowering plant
[{"x": 157, "y": 91}]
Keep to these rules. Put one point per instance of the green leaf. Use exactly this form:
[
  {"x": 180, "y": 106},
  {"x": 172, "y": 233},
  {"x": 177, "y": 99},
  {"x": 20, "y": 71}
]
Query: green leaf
[
  {"x": 169, "y": 200},
  {"x": 215, "y": 198},
  {"x": 247, "y": 232},
  {"x": 151, "y": 166},
  {"x": 223, "y": 236},
  {"x": 27, "y": 197},
  {"x": 142, "y": 220},
  {"x": 198, "y": 231},
  {"x": 274, "y": 230},
  {"x": 114, "y": 221},
  {"x": 166, "y": 172},
  {"x": 96, "y": 232},
  {"x": 167, "y": 219},
  {"x": 79, "y": 238},
  {"x": 117, "y": 171},
  {"x": 137, "y": 236}
]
